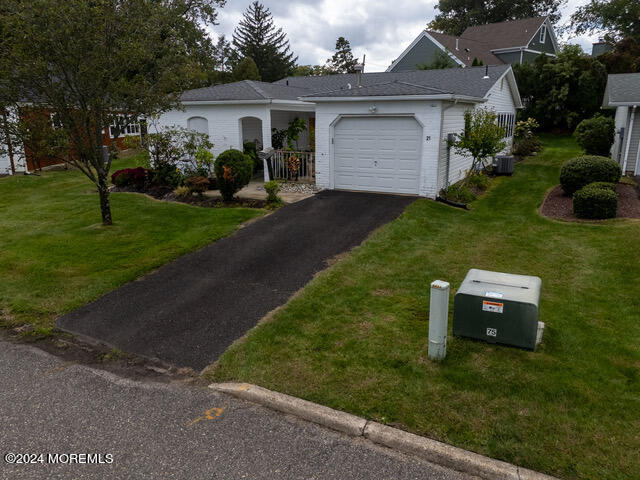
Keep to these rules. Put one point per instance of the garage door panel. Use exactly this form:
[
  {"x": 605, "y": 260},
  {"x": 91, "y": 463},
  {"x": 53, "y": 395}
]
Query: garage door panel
[{"x": 377, "y": 154}]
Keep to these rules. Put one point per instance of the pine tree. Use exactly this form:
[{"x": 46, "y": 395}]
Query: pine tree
[
  {"x": 224, "y": 55},
  {"x": 342, "y": 61},
  {"x": 257, "y": 37},
  {"x": 246, "y": 69}
]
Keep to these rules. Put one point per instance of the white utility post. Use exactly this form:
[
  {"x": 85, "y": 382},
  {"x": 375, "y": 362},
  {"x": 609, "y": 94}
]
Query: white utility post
[{"x": 438, "y": 320}]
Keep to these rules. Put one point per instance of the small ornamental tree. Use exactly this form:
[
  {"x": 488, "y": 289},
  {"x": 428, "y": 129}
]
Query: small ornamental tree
[
  {"x": 176, "y": 148},
  {"x": 233, "y": 171},
  {"x": 482, "y": 138}
]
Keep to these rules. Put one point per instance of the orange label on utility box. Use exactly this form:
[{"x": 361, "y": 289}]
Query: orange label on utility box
[{"x": 494, "y": 307}]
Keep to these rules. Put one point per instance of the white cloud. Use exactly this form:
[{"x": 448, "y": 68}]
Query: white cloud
[{"x": 381, "y": 29}]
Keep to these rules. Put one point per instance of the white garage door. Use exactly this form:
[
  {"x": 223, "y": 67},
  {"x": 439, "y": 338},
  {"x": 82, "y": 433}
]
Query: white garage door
[{"x": 377, "y": 154}]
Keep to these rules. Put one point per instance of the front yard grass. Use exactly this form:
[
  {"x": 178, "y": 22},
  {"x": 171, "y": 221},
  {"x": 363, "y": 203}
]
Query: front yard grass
[
  {"x": 356, "y": 338},
  {"x": 55, "y": 255}
]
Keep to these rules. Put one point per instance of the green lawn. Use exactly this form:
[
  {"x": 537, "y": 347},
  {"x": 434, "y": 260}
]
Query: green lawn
[
  {"x": 55, "y": 254},
  {"x": 356, "y": 338}
]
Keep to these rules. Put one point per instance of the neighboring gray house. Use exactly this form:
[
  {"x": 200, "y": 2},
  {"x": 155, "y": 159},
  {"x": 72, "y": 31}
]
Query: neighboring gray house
[
  {"x": 379, "y": 132},
  {"x": 623, "y": 94},
  {"x": 517, "y": 41}
]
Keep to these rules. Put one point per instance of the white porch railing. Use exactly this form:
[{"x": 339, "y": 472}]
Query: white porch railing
[{"x": 306, "y": 172}]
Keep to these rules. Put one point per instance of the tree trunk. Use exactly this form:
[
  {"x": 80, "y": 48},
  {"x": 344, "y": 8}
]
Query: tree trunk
[
  {"x": 9, "y": 144},
  {"x": 105, "y": 203}
]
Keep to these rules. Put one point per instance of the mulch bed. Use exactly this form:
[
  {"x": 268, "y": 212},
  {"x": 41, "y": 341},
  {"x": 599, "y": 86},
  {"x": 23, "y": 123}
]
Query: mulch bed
[
  {"x": 559, "y": 206},
  {"x": 166, "y": 194}
]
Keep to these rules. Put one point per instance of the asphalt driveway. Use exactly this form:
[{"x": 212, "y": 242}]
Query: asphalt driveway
[{"x": 188, "y": 312}]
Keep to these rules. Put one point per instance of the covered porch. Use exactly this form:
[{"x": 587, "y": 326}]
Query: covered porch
[{"x": 269, "y": 131}]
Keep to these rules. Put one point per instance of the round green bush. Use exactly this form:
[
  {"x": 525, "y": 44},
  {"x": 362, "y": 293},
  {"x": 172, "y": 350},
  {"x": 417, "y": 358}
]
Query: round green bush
[
  {"x": 595, "y": 135},
  {"x": 233, "y": 171},
  {"x": 581, "y": 171},
  {"x": 595, "y": 201}
]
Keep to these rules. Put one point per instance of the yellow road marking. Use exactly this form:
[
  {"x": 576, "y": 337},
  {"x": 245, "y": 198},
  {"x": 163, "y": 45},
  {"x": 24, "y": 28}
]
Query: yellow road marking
[{"x": 210, "y": 414}]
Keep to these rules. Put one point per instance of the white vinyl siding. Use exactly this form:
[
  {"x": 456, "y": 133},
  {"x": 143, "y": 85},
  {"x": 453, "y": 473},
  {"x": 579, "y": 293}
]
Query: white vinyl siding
[
  {"x": 634, "y": 146},
  {"x": 452, "y": 122}
]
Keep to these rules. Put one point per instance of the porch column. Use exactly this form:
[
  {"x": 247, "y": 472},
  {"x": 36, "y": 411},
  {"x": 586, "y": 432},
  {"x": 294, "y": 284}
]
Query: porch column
[{"x": 266, "y": 139}]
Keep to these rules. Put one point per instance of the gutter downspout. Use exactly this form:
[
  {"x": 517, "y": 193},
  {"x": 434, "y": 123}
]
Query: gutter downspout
[
  {"x": 521, "y": 54},
  {"x": 632, "y": 115}
]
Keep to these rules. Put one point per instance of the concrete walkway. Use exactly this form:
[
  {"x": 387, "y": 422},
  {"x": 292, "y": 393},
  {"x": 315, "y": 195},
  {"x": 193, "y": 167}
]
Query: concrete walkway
[
  {"x": 255, "y": 191},
  {"x": 189, "y": 311}
]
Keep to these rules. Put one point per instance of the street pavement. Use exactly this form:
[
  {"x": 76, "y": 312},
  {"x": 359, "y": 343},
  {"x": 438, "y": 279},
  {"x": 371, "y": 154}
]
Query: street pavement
[{"x": 148, "y": 430}]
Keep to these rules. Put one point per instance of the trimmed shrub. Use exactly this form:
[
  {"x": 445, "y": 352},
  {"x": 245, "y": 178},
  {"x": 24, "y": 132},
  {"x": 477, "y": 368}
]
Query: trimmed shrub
[
  {"x": 273, "y": 188},
  {"x": 595, "y": 135},
  {"x": 167, "y": 175},
  {"x": 595, "y": 201},
  {"x": 233, "y": 171},
  {"x": 197, "y": 185},
  {"x": 459, "y": 192},
  {"x": 581, "y": 171},
  {"x": 605, "y": 185},
  {"x": 132, "y": 177},
  {"x": 526, "y": 146}
]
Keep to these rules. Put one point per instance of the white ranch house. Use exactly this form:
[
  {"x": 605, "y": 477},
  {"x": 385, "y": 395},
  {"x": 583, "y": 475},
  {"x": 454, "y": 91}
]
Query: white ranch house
[{"x": 379, "y": 132}]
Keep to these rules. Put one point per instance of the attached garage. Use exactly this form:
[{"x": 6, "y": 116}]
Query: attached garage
[{"x": 377, "y": 154}]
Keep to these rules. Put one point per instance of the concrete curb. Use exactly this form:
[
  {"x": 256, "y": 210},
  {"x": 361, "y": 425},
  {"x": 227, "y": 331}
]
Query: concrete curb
[{"x": 399, "y": 440}]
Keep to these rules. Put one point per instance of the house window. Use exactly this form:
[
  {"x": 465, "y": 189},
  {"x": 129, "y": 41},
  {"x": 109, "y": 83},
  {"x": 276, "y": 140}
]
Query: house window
[
  {"x": 507, "y": 121},
  {"x": 131, "y": 129},
  {"x": 543, "y": 33}
]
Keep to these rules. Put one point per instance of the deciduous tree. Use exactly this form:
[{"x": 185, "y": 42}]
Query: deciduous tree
[
  {"x": 560, "y": 92},
  {"x": 618, "y": 18},
  {"x": 456, "y": 15},
  {"x": 246, "y": 69},
  {"x": 96, "y": 63}
]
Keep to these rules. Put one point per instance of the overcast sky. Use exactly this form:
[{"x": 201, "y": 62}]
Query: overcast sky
[{"x": 381, "y": 29}]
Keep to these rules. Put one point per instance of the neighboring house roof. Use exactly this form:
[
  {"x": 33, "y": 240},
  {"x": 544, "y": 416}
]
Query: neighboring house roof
[
  {"x": 483, "y": 41},
  {"x": 622, "y": 89},
  {"x": 467, "y": 49},
  {"x": 457, "y": 83},
  {"x": 243, "y": 90},
  {"x": 514, "y": 33}
]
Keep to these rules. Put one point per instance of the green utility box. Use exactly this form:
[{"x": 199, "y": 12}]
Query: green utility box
[{"x": 499, "y": 308}]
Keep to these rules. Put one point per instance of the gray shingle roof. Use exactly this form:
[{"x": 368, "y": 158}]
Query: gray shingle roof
[
  {"x": 622, "y": 88},
  {"x": 244, "y": 90},
  {"x": 381, "y": 89},
  {"x": 455, "y": 81},
  {"x": 513, "y": 33},
  {"x": 467, "y": 49}
]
